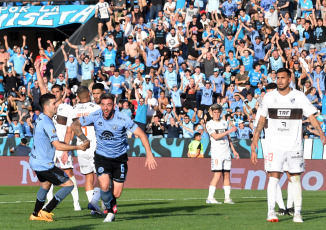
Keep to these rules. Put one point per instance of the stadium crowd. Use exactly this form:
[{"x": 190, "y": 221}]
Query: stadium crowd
[{"x": 168, "y": 61}]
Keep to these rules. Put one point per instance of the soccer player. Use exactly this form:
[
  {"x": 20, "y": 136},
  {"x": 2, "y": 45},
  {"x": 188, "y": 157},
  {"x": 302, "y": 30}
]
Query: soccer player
[
  {"x": 85, "y": 158},
  {"x": 97, "y": 90},
  {"x": 285, "y": 108},
  {"x": 60, "y": 122},
  {"x": 221, "y": 147},
  {"x": 41, "y": 161},
  {"x": 111, "y": 150}
]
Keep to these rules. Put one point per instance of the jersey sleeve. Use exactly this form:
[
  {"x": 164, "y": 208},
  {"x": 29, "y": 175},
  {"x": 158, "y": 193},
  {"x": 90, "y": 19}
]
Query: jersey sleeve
[
  {"x": 131, "y": 125},
  {"x": 264, "y": 106},
  {"x": 209, "y": 128},
  {"x": 90, "y": 119},
  {"x": 50, "y": 131}
]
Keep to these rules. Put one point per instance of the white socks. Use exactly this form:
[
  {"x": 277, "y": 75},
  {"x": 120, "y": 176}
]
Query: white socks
[
  {"x": 211, "y": 192},
  {"x": 96, "y": 195},
  {"x": 89, "y": 195},
  {"x": 74, "y": 192},
  {"x": 227, "y": 191},
  {"x": 297, "y": 193},
  {"x": 289, "y": 203},
  {"x": 271, "y": 193},
  {"x": 279, "y": 197},
  {"x": 49, "y": 196}
]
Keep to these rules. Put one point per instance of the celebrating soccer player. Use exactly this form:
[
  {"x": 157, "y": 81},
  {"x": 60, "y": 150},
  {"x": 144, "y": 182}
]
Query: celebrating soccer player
[{"x": 111, "y": 150}]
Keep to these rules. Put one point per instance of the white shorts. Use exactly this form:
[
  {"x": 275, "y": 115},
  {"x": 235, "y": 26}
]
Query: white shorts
[
  {"x": 86, "y": 161},
  {"x": 279, "y": 161},
  {"x": 57, "y": 158},
  {"x": 221, "y": 162}
]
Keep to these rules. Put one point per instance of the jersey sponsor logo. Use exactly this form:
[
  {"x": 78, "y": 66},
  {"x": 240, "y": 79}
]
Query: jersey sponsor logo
[
  {"x": 283, "y": 112},
  {"x": 107, "y": 135},
  {"x": 219, "y": 131}
]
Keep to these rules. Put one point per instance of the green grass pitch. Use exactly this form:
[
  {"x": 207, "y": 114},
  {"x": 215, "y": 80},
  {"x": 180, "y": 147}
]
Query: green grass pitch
[{"x": 162, "y": 209}]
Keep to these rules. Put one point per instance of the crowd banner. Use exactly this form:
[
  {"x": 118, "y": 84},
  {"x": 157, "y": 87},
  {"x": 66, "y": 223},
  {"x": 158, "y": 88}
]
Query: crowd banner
[
  {"x": 44, "y": 16},
  {"x": 178, "y": 147}
]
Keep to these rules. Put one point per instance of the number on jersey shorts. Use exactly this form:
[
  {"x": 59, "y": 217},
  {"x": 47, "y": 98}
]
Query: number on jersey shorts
[
  {"x": 86, "y": 159},
  {"x": 57, "y": 158},
  {"x": 289, "y": 161},
  {"x": 222, "y": 162}
]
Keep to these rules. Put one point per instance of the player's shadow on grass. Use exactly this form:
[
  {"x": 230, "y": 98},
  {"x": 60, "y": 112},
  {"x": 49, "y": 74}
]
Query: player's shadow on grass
[
  {"x": 313, "y": 214},
  {"x": 79, "y": 227},
  {"x": 162, "y": 212},
  {"x": 143, "y": 204}
]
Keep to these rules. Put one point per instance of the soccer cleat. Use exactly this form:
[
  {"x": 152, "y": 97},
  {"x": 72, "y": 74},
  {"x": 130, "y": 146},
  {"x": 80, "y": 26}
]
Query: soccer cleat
[
  {"x": 32, "y": 217},
  {"x": 272, "y": 217},
  {"x": 77, "y": 207},
  {"x": 94, "y": 207},
  {"x": 282, "y": 212},
  {"x": 212, "y": 201},
  {"x": 47, "y": 216},
  {"x": 297, "y": 218},
  {"x": 109, "y": 218},
  {"x": 290, "y": 211},
  {"x": 228, "y": 201}
]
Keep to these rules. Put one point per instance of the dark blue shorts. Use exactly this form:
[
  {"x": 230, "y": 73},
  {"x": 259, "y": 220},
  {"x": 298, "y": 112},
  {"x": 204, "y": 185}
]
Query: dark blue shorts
[{"x": 55, "y": 176}]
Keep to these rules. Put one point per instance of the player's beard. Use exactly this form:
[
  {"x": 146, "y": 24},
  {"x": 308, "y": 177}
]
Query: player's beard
[{"x": 285, "y": 87}]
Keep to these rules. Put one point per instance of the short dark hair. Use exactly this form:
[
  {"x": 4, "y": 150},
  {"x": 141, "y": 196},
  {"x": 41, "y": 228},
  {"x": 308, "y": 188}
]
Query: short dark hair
[
  {"x": 107, "y": 96},
  {"x": 98, "y": 86},
  {"x": 255, "y": 65},
  {"x": 284, "y": 70},
  {"x": 45, "y": 98},
  {"x": 82, "y": 91},
  {"x": 24, "y": 141},
  {"x": 216, "y": 107},
  {"x": 271, "y": 86},
  {"x": 56, "y": 86},
  {"x": 196, "y": 135}
]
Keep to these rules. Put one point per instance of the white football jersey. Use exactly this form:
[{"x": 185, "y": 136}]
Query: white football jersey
[
  {"x": 80, "y": 110},
  {"x": 285, "y": 118},
  {"x": 64, "y": 110},
  {"x": 221, "y": 146}
]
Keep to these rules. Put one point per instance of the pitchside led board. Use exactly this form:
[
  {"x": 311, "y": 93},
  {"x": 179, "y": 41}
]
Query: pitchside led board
[{"x": 44, "y": 16}]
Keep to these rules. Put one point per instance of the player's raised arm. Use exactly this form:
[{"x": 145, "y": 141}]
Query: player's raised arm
[
  {"x": 40, "y": 81},
  {"x": 254, "y": 144},
  {"x": 150, "y": 161}
]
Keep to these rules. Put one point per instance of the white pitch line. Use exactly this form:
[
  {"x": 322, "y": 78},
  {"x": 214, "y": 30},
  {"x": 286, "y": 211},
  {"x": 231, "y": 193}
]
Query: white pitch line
[{"x": 30, "y": 201}]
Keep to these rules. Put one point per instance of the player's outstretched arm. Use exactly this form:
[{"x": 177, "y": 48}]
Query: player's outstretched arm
[
  {"x": 235, "y": 153},
  {"x": 150, "y": 161},
  {"x": 254, "y": 144},
  {"x": 65, "y": 147},
  {"x": 218, "y": 136}
]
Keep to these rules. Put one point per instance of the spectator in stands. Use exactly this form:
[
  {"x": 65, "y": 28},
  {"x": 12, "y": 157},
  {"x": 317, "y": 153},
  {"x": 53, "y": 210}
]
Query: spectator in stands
[
  {"x": 157, "y": 127},
  {"x": 243, "y": 132},
  {"x": 103, "y": 12},
  {"x": 140, "y": 118},
  {"x": 3, "y": 127},
  {"x": 22, "y": 149},
  {"x": 173, "y": 128},
  {"x": 87, "y": 66}
]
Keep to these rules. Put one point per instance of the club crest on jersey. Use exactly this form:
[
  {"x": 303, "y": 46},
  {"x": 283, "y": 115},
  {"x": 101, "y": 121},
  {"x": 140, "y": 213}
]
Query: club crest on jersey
[
  {"x": 114, "y": 127},
  {"x": 53, "y": 131},
  {"x": 292, "y": 100},
  {"x": 283, "y": 112},
  {"x": 100, "y": 170}
]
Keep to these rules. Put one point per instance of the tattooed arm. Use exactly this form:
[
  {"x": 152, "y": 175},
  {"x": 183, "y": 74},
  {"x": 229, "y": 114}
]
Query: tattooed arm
[
  {"x": 317, "y": 127},
  {"x": 254, "y": 144},
  {"x": 76, "y": 128}
]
